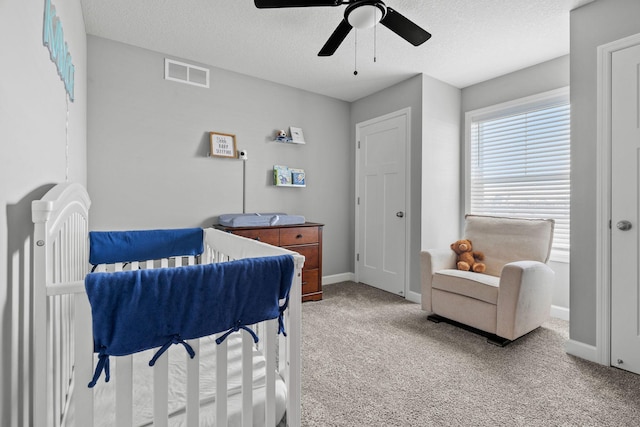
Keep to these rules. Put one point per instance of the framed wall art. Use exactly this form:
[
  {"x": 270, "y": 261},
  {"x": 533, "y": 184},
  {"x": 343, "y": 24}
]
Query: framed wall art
[{"x": 223, "y": 145}]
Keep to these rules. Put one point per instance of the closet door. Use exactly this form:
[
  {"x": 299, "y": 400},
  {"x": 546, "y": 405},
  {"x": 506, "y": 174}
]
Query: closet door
[
  {"x": 381, "y": 204},
  {"x": 625, "y": 215}
]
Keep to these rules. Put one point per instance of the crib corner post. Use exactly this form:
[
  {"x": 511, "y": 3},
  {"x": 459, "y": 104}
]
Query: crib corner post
[
  {"x": 38, "y": 360},
  {"x": 294, "y": 401}
]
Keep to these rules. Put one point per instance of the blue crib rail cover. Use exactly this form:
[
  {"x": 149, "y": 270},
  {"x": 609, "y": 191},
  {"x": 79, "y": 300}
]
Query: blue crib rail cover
[
  {"x": 142, "y": 309},
  {"x": 108, "y": 247}
]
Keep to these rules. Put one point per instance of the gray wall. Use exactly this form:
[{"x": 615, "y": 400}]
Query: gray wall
[
  {"x": 35, "y": 156},
  {"x": 595, "y": 24},
  {"x": 440, "y": 164},
  {"x": 533, "y": 80},
  {"x": 149, "y": 140}
]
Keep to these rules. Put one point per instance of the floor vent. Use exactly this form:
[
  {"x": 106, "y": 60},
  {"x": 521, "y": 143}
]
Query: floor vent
[{"x": 186, "y": 73}]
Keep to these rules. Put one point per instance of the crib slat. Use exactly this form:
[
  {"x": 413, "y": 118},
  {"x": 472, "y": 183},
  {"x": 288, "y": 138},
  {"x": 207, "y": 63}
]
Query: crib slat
[
  {"x": 269, "y": 338},
  {"x": 124, "y": 391},
  {"x": 55, "y": 320},
  {"x": 247, "y": 379},
  {"x": 83, "y": 395},
  {"x": 66, "y": 345},
  {"x": 70, "y": 342},
  {"x": 63, "y": 318},
  {"x": 193, "y": 385},
  {"x": 161, "y": 391},
  {"x": 221, "y": 384}
]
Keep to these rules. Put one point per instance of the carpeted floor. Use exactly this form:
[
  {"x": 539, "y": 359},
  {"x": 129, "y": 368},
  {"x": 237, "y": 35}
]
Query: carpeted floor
[{"x": 371, "y": 358}]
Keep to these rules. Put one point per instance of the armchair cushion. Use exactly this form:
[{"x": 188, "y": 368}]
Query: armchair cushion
[
  {"x": 504, "y": 241},
  {"x": 475, "y": 285}
]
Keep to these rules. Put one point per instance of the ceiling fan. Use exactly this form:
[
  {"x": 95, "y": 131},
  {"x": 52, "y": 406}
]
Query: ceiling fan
[{"x": 358, "y": 14}]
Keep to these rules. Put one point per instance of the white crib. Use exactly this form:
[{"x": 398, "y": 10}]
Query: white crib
[{"x": 63, "y": 359}]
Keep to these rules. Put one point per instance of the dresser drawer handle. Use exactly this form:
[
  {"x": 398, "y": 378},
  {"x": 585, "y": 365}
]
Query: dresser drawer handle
[{"x": 299, "y": 236}]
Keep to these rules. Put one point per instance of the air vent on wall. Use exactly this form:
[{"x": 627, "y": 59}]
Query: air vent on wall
[{"x": 185, "y": 73}]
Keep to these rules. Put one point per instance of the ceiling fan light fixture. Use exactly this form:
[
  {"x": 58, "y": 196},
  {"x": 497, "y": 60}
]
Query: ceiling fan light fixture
[
  {"x": 365, "y": 14},
  {"x": 359, "y": 14}
]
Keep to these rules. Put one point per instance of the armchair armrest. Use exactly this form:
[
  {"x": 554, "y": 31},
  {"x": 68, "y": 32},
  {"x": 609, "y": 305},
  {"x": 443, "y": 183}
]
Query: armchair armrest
[
  {"x": 432, "y": 260},
  {"x": 524, "y": 298}
]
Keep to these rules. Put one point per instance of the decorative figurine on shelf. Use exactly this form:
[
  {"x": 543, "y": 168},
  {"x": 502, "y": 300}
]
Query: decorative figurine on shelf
[{"x": 281, "y": 136}]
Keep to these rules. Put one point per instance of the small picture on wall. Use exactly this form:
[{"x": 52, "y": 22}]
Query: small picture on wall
[
  {"x": 296, "y": 135},
  {"x": 223, "y": 145}
]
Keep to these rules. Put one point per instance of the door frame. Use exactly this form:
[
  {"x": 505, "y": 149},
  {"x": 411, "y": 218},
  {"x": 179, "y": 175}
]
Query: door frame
[
  {"x": 603, "y": 198},
  {"x": 407, "y": 188}
]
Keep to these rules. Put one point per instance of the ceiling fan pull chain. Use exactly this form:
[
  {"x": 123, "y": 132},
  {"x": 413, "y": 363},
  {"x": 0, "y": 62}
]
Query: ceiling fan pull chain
[
  {"x": 375, "y": 39},
  {"x": 355, "y": 54}
]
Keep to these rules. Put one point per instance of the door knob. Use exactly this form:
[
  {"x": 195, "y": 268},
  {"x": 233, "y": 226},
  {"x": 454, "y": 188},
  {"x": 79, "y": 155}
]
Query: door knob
[
  {"x": 400, "y": 214},
  {"x": 624, "y": 225}
]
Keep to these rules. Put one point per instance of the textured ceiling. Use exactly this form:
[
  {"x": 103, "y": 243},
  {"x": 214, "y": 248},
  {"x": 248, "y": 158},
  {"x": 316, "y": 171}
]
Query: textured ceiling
[{"x": 472, "y": 40}]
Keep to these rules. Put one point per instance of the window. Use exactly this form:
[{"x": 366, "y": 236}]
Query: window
[{"x": 518, "y": 162}]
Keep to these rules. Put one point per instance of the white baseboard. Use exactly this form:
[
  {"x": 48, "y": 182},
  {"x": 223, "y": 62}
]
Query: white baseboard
[
  {"x": 337, "y": 278},
  {"x": 560, "y": 312},
  {"x": 582, "y": 350},
  {"x": 414, "y": 297}
]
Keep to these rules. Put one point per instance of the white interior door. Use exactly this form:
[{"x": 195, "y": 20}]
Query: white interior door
[
  {"x": 625, "y": 215},
  {"x": 381, "y": 204}
]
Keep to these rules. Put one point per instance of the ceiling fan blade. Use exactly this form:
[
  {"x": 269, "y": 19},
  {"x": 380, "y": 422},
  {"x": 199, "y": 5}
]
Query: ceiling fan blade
[
  {"x": 336, "y": 39},
  {"x": 404, "y": 28},
  {"x": 266, "y": 4}
]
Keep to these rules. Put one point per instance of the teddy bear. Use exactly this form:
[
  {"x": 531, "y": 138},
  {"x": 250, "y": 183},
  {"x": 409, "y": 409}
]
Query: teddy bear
[{"x": 467, "y": 259}]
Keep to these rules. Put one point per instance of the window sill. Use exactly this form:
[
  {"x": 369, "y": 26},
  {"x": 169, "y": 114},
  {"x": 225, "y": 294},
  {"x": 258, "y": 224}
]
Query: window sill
[{"x": 561, "y": 258}]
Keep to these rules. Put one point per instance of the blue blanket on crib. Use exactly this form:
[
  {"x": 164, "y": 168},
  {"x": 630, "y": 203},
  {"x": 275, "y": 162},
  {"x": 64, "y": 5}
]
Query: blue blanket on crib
[
  {"x": 108, "y": 247},
  {"x": 143, "y": 309}
]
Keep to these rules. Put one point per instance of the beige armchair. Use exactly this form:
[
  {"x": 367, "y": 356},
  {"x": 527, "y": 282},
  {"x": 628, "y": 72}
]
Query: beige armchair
[{"x": 512, "y": 297}]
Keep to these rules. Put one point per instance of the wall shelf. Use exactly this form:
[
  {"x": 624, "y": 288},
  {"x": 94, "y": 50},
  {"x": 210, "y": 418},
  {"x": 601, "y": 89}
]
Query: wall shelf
[
  {"x": 284, "y": 176},
  {"x": 296, "y": 137},
  {"x": 288, "y": 141}
]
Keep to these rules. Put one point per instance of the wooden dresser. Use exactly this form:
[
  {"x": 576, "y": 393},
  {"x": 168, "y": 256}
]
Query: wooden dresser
[{"x": 306, "y": 239}]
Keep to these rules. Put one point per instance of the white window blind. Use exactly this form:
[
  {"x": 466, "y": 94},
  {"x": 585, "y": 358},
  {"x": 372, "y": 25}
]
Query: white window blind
[{"x": 520, "y": 165}]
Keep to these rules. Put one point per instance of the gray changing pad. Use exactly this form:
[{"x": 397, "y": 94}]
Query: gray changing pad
[{"x": 259, "y": 219}]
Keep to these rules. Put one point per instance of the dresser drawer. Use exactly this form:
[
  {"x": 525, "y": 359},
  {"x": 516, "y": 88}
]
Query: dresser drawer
[
  {"x": 270, "y": 236},
  {"x": 310, "y": 282},
  {"x": 305, "y": 239},
  {"x": 310, "y": 252},
  {"x": 298, "y": 235}
]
